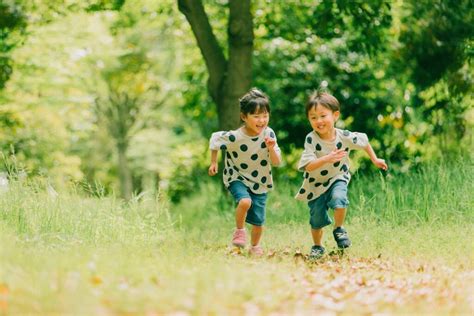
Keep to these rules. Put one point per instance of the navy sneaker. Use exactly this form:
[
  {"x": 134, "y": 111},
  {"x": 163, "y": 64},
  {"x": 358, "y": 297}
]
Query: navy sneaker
[
  {"x": 341, "y": 237},
  {"x": 316, "y": 252}
]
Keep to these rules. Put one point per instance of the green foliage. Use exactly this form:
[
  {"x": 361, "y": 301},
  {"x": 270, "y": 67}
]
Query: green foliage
[
  {"x": 402, "y": 71},
  {"x": 12, "y": 23},
  {"x": 434, "y": 53},
  {"x": 436, "y": 38},
  {"x": 363, "y": 55}
]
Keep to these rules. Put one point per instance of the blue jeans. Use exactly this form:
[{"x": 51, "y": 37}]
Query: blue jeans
[
  {"x": 256, "y": 212},
  {"x": 334, "y": 197}
]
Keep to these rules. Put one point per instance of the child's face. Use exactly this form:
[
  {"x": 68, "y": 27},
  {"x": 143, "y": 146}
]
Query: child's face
[
  {"x": 256, "y": 123},
  {"x": 322, "y": 120}
]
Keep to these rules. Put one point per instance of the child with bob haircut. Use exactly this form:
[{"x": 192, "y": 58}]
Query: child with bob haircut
[
  {"x": 325, "y": 163},
  {"x": 250, "y": 152}
]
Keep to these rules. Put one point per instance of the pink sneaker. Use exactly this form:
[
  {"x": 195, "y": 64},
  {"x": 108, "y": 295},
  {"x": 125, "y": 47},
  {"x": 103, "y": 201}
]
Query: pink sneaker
[
  {"x": 256, "y": 251},
  {"x": 239, "y": 239}
]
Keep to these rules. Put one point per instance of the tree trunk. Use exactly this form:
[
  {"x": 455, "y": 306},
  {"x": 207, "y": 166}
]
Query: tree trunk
[
  {"x": 124, "y": 174},
  {"x": 228, "y": 79}
]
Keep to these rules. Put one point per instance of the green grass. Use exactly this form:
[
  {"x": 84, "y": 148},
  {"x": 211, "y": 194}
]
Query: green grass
[{"x": 70, "y": 254}]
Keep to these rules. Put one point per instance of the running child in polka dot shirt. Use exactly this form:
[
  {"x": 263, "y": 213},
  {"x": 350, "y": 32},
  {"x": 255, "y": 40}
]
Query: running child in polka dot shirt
[
  {"x": 251, "y": 150},
  {"x": 325, "y": 163}
]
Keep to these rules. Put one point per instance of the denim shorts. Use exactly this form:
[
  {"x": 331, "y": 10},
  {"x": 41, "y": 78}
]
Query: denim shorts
[
  {"x": 334, "y": 197},
  {"x": 256, "y": 212}
]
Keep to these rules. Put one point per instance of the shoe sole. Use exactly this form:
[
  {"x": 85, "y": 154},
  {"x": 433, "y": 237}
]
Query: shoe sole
[{"x": 343, "y": 246}]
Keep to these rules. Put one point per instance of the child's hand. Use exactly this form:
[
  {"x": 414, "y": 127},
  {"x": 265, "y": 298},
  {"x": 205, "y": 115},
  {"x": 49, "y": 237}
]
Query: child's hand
[
  {"x": 213, "y": 168},
  {"x": 380, "y": 163},
  {"x": 270, "y": 142},
  {"x": 336, "y": 155}
]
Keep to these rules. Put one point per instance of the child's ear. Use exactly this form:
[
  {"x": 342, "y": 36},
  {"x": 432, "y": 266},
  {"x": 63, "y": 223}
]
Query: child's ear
[
  {"x": 336, "y": 115},
  {"x": 243, "y": 117}
]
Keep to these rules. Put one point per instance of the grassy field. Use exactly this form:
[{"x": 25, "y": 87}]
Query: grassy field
[{"x": 69, "y": 254}]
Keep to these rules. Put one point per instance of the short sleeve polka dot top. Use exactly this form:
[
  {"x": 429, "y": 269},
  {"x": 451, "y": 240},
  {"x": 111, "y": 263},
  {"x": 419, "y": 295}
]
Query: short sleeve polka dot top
[
  {"x": 247, "y": 158},
  {"x": 319, "y": 180}
]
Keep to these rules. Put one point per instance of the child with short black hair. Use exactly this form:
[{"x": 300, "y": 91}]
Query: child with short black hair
[
  {"x": 325, "y": 163},
  {"x": 251, "y": 150}
]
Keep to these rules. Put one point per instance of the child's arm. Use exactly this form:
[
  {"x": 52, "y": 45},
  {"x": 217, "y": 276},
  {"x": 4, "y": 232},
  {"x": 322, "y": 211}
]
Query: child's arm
[
  {"x": 334, "y": 156},
  {"x": 213, "y": 168},
  {"x": 275, "y": 156},
  {"x": 379, "y": 163}
]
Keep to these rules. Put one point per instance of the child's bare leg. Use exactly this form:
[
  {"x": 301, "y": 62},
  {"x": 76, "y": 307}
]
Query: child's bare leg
[
  {"x": 317, "y": 236},
  {"x": 241, "y": 212},
  {"x": 339, "y": 216},
  {"x": 256, "y": 234}
]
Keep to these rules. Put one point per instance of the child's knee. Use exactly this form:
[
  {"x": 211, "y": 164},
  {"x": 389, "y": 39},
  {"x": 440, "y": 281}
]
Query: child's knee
[{"x": 245, "y": 203}]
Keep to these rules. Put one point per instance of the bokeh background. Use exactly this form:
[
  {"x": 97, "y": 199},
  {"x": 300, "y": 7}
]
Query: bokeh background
[{"x": 111, "y": 96}]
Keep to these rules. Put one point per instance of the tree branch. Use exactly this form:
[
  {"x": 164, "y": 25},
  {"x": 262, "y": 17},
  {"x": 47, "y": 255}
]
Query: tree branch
[{"x": 213, "y": 55}]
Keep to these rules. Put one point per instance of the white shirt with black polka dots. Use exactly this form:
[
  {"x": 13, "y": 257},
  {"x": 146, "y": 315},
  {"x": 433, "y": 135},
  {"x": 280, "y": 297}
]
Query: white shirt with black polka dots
[
  {"x": 247, "y": 158},
  {"x": 319, "y": 180}
]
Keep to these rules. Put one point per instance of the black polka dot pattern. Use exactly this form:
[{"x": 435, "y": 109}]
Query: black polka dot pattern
[
  {"x": 319, "y": 181},
  {"x": 246, "y": 159}
]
